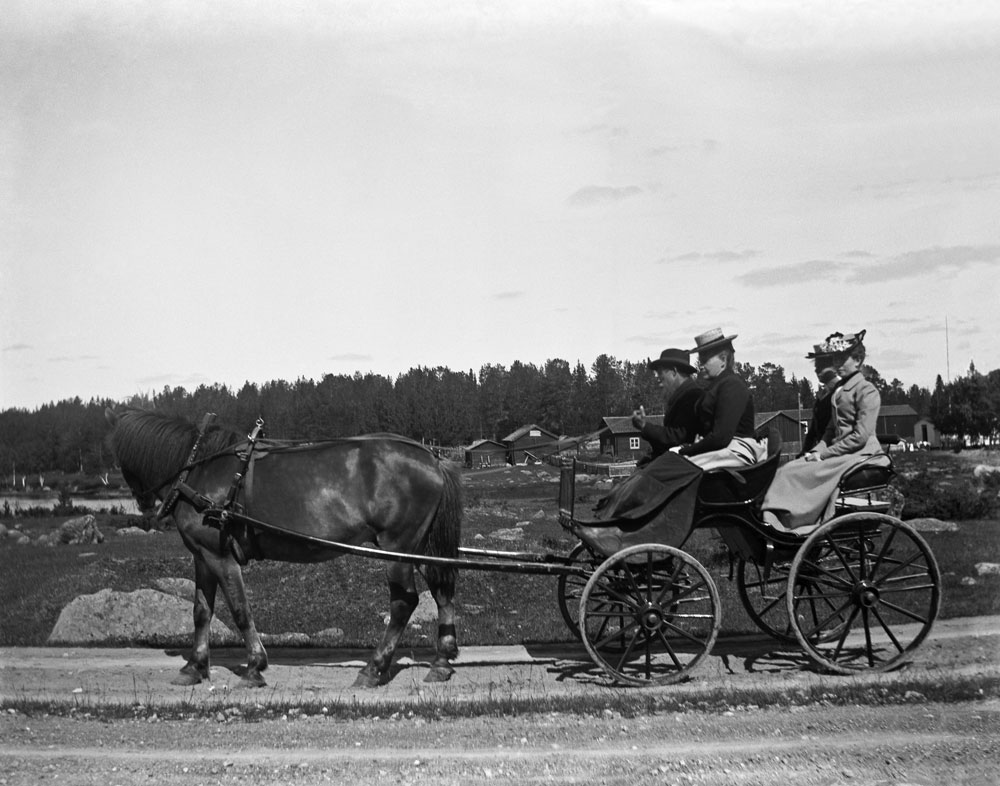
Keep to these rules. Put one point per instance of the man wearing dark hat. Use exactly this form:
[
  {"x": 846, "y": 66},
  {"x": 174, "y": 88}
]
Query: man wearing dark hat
[
  {"x": 681, "y": 393},
  {"x": 829, "y": 381}
]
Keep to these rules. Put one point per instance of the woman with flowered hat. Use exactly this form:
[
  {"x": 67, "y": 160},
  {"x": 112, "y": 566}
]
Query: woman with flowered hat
[
  {"x": 726, "y": 410},
  {"x": 804, "y": 490}
]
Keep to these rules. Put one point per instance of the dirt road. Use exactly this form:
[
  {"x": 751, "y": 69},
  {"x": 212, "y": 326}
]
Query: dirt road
[
  {"x": 926, "y": 744},
  {"x": 105, "y": 717}
]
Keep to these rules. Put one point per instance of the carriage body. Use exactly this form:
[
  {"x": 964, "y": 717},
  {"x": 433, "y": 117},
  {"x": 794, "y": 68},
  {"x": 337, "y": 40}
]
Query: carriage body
[{"x": 857, "y": 592}]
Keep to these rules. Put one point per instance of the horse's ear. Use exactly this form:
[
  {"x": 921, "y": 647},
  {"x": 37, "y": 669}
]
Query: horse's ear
[{"x": 111, "y": 416}]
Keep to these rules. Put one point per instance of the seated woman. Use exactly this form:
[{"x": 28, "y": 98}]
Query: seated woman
[
  {"x": 725, "y": 412},
  {"x": 804, "y": 490}
]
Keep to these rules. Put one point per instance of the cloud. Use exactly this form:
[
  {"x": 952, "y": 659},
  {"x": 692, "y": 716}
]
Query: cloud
[
  {"x": 511, "y": 295},
  {"x": 72, "y": 358},
  {"x": 900, "y": 188},
  {"x": 706, "y": 146},
  {"x": 712, "y": 256},
  {"x": 813, "y": 271},
  {"x": 911, "y": 264},
  {"x": 17, "y": 347},
  {"x": 594, "y": 195},
  {"x": 857, "y": 254}
]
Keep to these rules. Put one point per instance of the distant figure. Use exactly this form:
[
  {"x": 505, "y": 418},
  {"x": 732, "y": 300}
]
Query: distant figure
[
  {"x": 681, "y": 393},
  {"x": 726, "y": 410},
  {"x": 804, "y": 490},
  {"x": 829, "y": 380}
]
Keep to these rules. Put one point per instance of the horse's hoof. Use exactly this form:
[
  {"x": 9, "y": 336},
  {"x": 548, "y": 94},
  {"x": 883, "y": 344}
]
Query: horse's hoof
[
  {"x": 186, "y": 678},
  {"x": 364, "y": 680},
  {"x": 439, "y": 674},
  {"x": 253, "y": 680}
]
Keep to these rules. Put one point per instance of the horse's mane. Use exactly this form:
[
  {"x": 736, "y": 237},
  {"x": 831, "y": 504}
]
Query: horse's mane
[{"x": 154, "y": 446}]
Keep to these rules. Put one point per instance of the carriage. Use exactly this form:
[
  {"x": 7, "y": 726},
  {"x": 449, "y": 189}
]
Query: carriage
[{"x": 858, "y": 592}]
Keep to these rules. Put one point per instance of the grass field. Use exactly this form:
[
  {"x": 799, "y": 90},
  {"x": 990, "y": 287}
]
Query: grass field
[{"x": 493, "y": 608}]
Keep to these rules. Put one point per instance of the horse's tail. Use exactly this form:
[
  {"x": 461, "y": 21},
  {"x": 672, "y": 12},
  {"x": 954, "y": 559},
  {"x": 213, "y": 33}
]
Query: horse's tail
[{"x": 445, "y": 533}]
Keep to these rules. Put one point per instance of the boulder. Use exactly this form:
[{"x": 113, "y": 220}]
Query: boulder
[
  {"x": 129, "y": 532},
  {"x": 932, "y": 525},
  {"x": 328, "y": 637},
  {"x": 81, "y": 530},
  {"x": 179, "y": 588},
  {"x": 982, "y": 470},
  {"x": 988, "y": 568},
  {"x": 508, "y": 534},
  {"x": 285, "y": 639},
  {"x": 142, "y": 617}
]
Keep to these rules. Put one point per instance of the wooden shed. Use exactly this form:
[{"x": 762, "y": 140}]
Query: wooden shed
[
  {"x": 619, "y": 438},
  {"x": 530, "y": 439},
  {"x": 486, "y": 453},
  {"x": 788, "y": 425}
]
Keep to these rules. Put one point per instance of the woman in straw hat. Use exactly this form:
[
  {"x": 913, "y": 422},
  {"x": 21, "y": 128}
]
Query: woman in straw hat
[
  {"x": 725, "y": 412},
  {"x": 804, "y": 491}
]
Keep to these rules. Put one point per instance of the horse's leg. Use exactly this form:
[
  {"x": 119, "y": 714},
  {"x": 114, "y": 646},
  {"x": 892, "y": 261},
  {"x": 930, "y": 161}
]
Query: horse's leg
[
  {"x": 403, "y": 600},
  {"x": 198, "y": 666},
  {"x": 231, "y": 578},
  {"x": 443, "y": 590}
]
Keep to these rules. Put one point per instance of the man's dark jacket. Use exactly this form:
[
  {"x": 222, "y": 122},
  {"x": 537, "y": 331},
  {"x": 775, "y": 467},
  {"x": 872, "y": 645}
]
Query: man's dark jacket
[{"x": 680, "y": 423}]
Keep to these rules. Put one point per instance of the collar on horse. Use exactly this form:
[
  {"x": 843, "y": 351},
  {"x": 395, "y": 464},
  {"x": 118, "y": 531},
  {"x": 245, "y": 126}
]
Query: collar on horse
[{"x": 200, "y": 502}]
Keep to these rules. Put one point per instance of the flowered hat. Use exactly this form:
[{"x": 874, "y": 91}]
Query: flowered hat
[
  {"x": 712, "y": 339},
  {"x": 836, "y": 344}
]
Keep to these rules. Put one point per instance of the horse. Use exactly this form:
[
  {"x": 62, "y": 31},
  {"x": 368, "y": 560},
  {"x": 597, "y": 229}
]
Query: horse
[{"x": 383, "y": 489}]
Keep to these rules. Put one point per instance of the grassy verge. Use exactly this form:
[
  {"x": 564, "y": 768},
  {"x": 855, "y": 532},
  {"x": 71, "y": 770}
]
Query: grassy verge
[{"x": 497, "y": 703}]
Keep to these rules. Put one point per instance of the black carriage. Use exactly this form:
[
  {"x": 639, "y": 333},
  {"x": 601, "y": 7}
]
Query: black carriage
[{"x": 858, "y": 592}]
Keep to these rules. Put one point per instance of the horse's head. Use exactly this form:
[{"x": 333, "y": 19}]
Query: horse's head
[{"x": 150, "y": 450}]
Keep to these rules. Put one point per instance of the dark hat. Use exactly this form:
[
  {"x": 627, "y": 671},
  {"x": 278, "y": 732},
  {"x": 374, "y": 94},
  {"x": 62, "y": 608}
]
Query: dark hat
[
  {"x": 712, "y": 339},
  {"x": 673, "y": 358},
  {"x": 837, "y": 344}
]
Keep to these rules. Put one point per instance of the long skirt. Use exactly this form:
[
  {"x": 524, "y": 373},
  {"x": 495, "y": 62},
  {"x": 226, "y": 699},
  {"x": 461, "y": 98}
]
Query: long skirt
[
  {"x": 740, "y": 452},
  {"x": 804, "y": 493}
]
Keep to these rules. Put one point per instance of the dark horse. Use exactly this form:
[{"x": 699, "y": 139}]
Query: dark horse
[{"x": 382, "y": 489}]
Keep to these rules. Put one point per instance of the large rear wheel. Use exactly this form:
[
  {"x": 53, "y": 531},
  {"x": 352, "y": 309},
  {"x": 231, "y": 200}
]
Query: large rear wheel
[
  {"x": 649, "y": 614},
  {"x": 867, "y": 590}
]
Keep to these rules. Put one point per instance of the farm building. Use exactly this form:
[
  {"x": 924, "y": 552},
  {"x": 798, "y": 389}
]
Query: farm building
[
  {"x": 893, "y": 419},
  {"x": 787, "y": 425},
  {"x": 924, "y": 432},
  {"x": 619, "y": 438},
  {"x": 520, "y": 443},
  {"x": 486, "y": 453}
]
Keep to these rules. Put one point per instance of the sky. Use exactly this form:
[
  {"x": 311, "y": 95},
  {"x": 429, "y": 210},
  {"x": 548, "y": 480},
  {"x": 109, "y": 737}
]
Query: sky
[{"x": 221, "y": 192}]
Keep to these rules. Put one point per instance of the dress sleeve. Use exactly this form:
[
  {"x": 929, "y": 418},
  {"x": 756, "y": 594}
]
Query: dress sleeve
[
  {"x": 730, "y": 403},
  {"x": 867, "y": 403}
]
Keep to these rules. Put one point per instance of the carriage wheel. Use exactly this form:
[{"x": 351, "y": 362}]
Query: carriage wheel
[
  {"x": 764, "y": 598},
  {"x": 867, "y": 591},
  {"x": 649, "y": 614},
  {"x": 570, "y": 587}
]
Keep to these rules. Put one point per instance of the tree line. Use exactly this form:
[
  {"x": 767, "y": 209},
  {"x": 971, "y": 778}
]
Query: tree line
[{"x": 445, "y": 407}]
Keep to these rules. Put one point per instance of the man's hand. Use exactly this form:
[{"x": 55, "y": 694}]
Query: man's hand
[{"x": 639, "y": 417}]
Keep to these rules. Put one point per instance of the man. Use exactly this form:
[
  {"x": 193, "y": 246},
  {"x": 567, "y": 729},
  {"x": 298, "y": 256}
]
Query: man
[
  {"x": 681, "y": 393},
  {"x": 823, "y": 407}
]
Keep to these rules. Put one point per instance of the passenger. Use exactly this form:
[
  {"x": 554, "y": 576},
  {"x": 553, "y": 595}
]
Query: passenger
[
  {"x": 829, "y": 380},
  {"x": 804, "y": 490},
  {"x": 681, "y": 393},
  {"x": 725, "y": 412}
]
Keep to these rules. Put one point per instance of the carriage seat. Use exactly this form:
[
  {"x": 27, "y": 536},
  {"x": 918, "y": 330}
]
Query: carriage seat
[
  {"x": 738, "y": 486},
  {"x": 874, "y": 473}
]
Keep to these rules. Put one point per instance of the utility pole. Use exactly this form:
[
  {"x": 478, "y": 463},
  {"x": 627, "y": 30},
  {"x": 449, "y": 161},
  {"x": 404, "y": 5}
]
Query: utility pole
[{"x": 947, "y": 349}]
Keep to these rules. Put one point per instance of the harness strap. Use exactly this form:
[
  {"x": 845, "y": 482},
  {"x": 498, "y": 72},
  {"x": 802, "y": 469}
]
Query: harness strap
[{"x": 180, "y": 486}]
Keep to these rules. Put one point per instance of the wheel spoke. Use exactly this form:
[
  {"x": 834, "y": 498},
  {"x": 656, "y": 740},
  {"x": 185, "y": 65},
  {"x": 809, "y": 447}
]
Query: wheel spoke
[{"x": 888, "y": 631}]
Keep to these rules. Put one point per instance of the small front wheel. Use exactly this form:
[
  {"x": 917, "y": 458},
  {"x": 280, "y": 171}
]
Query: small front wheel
[
  {"x": 649, "y": 614},
  {"x": 570, "y": 586},
  {"x": 867, "y": 590}
]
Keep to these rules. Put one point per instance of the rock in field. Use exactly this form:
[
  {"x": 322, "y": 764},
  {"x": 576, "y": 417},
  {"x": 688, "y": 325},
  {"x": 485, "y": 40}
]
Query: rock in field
[
  {"x": 988, "y": 568},
  {"x": 179, "y": 588},
  {"x": 933, "y": 525},
  {"x": 145, "y": 616},
  {"x": 82, "y": 529}
]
